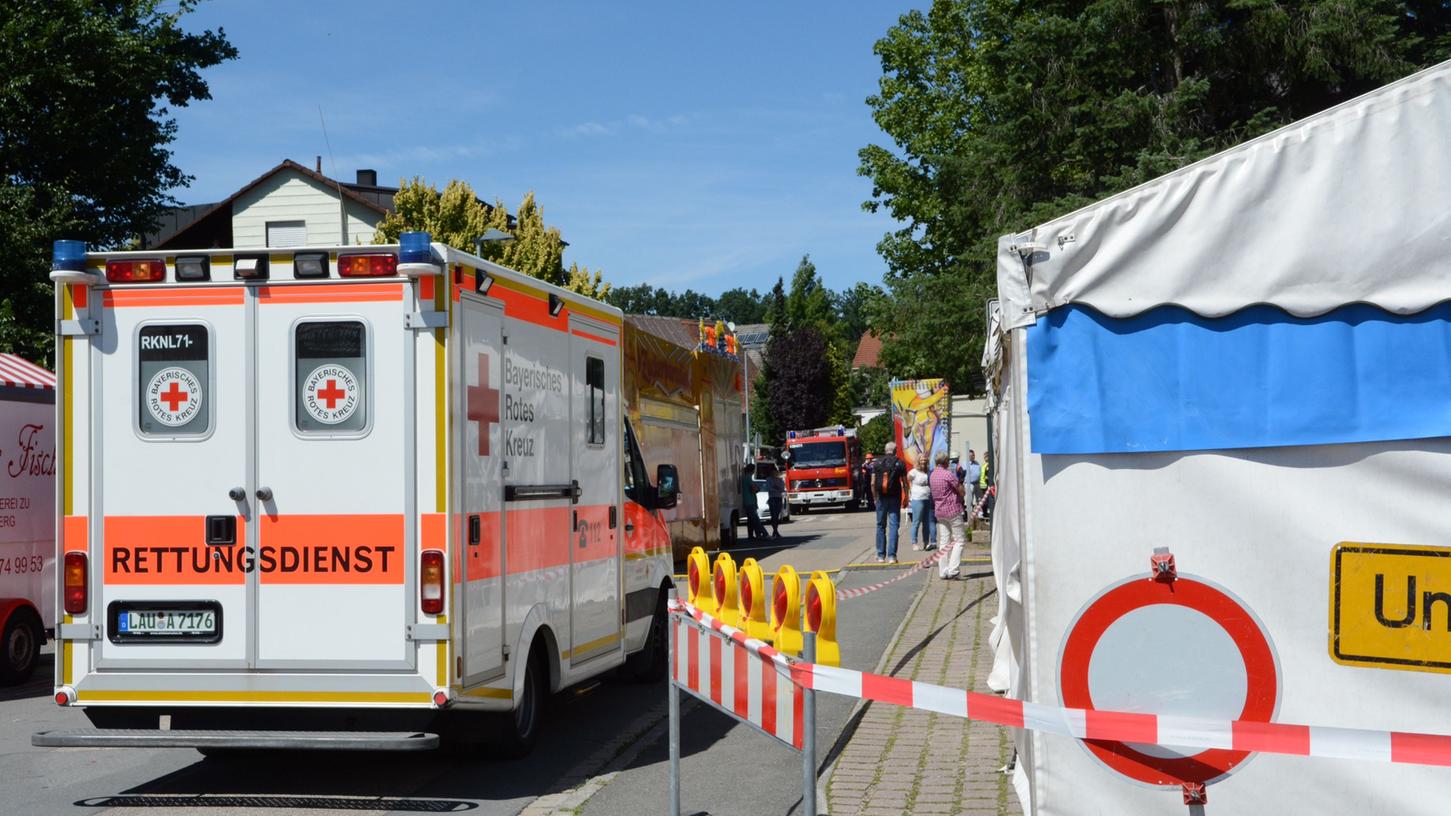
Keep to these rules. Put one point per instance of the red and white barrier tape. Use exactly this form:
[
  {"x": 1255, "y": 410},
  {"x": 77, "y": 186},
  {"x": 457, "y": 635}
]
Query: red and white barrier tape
[
  {"x": 1169, "y": 730},
  {"x": 857, "y": 592}
]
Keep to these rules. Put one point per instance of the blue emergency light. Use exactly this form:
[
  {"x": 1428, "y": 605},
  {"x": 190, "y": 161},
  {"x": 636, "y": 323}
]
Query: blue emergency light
[
  {"x": 415, "y": 247},
  {"x": 68, "y": 256}
]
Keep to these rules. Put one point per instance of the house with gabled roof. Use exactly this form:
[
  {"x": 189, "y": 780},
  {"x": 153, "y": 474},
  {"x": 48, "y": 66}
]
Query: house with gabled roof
[{"x": 289, "y": 205}]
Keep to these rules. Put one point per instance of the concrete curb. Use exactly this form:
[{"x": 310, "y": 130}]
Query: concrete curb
[{"x": 823, "y": 804}]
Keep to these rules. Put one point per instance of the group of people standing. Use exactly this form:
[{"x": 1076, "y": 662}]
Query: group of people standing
[{"x": 938, "y": 498}]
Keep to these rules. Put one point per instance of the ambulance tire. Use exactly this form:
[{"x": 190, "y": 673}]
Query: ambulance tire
[
  {"x": 21, "y": 646},
  {"x": 515, "y": 732},
  {"x": 648, "y": 664}
]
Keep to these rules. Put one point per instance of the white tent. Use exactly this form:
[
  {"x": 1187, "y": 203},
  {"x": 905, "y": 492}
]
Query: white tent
[{"x": 1245, "y": 364}]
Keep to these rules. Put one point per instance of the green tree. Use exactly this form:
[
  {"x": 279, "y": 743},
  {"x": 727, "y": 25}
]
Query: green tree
[
  {"x": 86, "y": 92},
  {"x": 740, "y": 306},
  {"x": 642, "y": 298},
  {"x": 648, "y": 300},
  {"x": 580, "y": 279},
  {"x": 1003, "y": 115},
  {"x": 806, "y": 379},
  {"x": 537, "y": 249},
  {"x": 876, "y": 433},
  {"x": 457, "y": 217},
  {"x": 809, "y": 303},
  {"x": 764, "y": 422},
  {"x": 870, "y": 388},
  {"x": 855, "y": 310}
]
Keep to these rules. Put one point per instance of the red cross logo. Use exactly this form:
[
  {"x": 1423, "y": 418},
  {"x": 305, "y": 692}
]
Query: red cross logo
[
  {"x": 174, "y": 397},
  {"x": 483, "y": 404},
  {"x": 331, "y": 394}
]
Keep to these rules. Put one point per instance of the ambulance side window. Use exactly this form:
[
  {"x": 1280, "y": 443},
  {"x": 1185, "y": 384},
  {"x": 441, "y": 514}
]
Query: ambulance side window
[
  {"x": 594, "y": 377},
  {"x": 636, "y": 483},
  {"x": 174, "y": 362},
  {"x": 331, "y": 377}
]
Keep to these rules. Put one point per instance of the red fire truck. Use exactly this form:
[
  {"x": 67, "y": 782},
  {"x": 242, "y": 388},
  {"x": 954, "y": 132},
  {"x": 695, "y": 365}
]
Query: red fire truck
[{"x": 819, "y": 468}]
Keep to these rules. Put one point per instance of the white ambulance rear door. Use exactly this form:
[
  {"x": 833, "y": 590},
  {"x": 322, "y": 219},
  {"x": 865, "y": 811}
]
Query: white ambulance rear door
[
  {"x": 334, "y": 475},
  {"x": 169, "y": 435},
  {"x": 479, "y": 458},
  {"x": 595, "y": 554}
]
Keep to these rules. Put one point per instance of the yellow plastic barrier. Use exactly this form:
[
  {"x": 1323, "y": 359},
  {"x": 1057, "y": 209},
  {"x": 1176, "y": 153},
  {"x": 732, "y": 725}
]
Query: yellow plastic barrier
[
  {"x": 697, "y": 567},
  {"x": 724, "y": 588},
  {"x": 786, "y": 610},
  {"x": 821, "y": 618},
  {"x": 752, "y": 601}
]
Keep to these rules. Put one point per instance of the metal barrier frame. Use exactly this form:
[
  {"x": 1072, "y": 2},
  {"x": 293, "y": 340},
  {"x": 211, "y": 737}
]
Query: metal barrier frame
[{"x": 808, "y": 716}]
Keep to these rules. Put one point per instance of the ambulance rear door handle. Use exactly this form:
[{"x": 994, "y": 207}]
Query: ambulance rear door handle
[
  {"x": 221, "y": 531},
  {"x": 264, "y": 494},
  {"x": 475, "y": 530},
  {"x": 237, "y": 494}
]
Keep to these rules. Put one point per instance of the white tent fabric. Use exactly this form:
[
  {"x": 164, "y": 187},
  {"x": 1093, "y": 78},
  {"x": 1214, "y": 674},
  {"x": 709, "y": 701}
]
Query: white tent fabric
[
  {"x": 1352, "y": 205},
  {"x": 1349, "y": 206}
]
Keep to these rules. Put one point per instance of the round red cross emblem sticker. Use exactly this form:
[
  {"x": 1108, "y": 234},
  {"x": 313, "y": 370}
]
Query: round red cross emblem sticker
[
  {"x": 330, "y": 394},
  {"x": 1182, "y": 647},
  {"x": 174, "y": 396}
]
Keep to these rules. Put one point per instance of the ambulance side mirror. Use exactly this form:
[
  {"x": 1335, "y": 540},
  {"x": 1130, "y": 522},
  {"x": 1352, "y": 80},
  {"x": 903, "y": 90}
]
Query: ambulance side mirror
[{"x": 667, "y": 486}]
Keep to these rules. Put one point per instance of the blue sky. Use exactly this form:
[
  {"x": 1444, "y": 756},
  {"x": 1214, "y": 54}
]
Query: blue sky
[{"x": 683, "y": 144}]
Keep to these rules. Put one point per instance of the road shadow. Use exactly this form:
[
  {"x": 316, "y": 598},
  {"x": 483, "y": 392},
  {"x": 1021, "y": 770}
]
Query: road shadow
[
  {"x": 40, "y": 684},
  {"x": 575, "y": 744},
  {"x": 761, "y": 550}
]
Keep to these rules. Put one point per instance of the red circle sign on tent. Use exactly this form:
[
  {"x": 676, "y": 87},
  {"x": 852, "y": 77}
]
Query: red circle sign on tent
[{"x": 1182, "y": 647}]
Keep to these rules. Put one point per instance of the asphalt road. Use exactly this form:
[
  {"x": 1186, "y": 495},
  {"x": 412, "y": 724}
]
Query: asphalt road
[{"x": 604, "y": 741}]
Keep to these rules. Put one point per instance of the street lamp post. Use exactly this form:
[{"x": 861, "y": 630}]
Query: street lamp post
[{"x": 746, "y": 380}]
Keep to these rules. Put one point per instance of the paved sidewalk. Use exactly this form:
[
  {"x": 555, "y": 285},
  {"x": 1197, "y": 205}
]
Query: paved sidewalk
[{"x": 902, "y": 760}]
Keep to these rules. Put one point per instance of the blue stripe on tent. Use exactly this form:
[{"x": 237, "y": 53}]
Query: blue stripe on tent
[{"x": 1171, "y": 380}]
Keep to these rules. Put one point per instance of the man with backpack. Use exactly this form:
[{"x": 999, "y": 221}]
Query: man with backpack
[{"x": 889, "y": 494}]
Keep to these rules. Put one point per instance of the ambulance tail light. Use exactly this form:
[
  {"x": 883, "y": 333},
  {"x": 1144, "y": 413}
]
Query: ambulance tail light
[
  {"x": 149, "y": 270},
  {"x": 367, "y": 266},
  {"x": 77, "y": 586},
  {"x": 431, "y": 582}
]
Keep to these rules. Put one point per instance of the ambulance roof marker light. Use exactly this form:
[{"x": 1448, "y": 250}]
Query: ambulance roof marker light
[
  {"x": 193, "y": 268},
  {"x": 68, "y": 263},
  {"x": 415, "y": 255}
]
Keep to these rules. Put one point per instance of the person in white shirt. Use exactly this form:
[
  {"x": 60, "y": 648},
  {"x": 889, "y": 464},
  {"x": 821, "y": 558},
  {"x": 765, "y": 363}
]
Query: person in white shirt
[{"x": 919, "y": 494}]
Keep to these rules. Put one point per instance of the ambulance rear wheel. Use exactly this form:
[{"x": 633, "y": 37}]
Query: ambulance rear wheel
[
  {"x": 20, "y": 643},
  {"x": 518, "y": 730}
]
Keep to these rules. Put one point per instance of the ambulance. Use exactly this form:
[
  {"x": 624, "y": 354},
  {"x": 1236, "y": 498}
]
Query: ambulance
[{"x": 354, "y": 497}]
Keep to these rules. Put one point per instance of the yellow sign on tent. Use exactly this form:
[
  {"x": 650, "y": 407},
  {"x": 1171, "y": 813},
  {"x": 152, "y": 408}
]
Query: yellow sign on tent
[{"x": 1390, "y": 606}]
